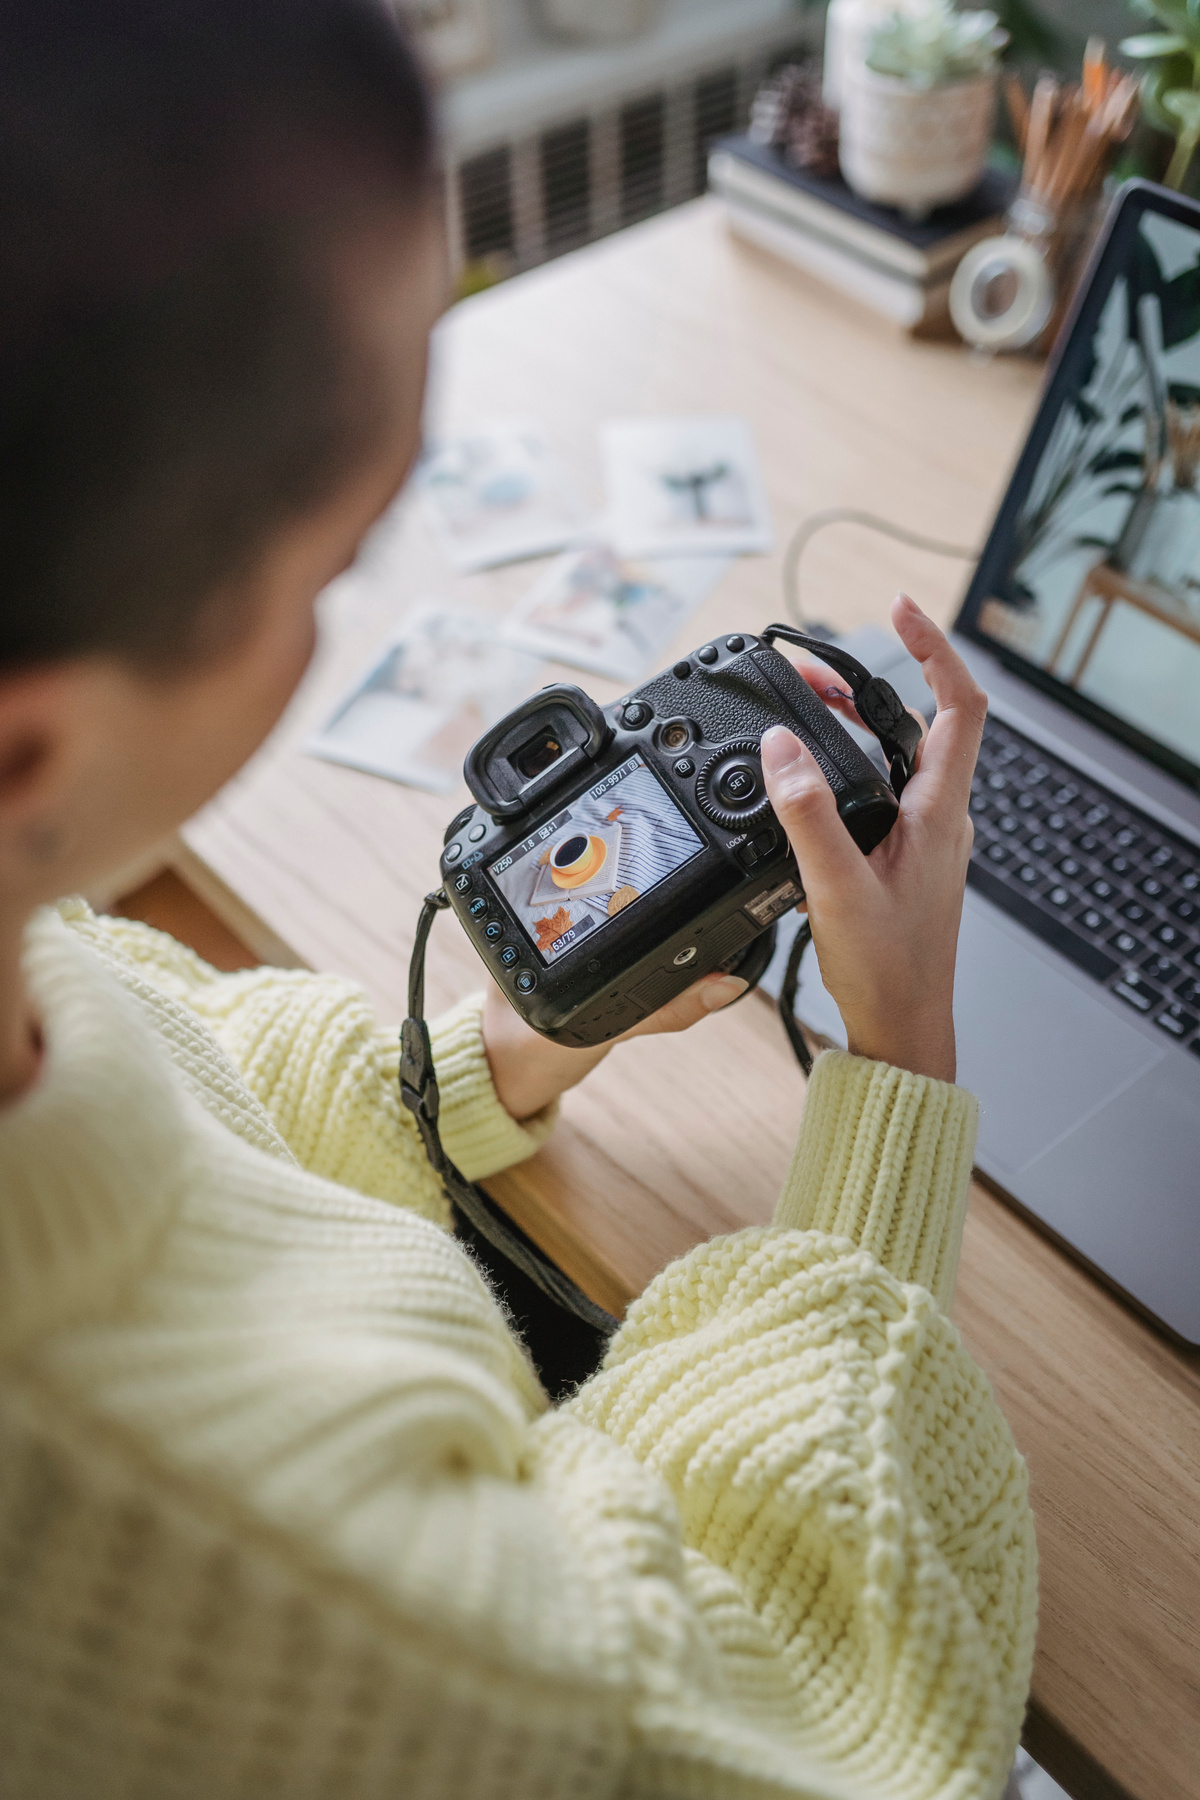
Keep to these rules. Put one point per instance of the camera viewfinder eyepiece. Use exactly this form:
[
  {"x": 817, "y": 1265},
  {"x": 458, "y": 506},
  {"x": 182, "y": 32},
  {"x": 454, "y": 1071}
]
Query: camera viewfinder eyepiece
[{"x": 545, "y": 741}]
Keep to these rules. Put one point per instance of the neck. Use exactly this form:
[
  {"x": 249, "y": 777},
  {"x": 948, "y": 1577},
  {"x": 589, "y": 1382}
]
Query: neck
[{"x": 20, "y": 1034}]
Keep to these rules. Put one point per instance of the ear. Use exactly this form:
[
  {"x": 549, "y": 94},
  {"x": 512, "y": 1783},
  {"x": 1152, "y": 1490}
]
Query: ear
[{"x": 39, "y": 729}]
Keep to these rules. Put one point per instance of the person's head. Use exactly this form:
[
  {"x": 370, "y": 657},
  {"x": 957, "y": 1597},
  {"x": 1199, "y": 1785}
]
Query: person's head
[{"x": 221, "y": 260}]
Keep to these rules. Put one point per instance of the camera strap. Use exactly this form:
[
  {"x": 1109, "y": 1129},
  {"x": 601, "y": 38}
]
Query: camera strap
[
  {"x": 876, "y": 702},
  {"x": 419, "y": 1094}
]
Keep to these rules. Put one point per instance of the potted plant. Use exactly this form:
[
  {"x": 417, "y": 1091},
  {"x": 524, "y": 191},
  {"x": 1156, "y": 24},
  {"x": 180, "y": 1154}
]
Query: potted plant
[
  {"x": 1171, "y": 85},
  {"x": 917, "y": 113}
]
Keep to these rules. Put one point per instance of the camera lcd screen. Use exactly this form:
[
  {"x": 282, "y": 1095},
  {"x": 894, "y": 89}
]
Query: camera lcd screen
[
  {"x": 1091, "y": 578},
  {"x": 597, "y": 856}
]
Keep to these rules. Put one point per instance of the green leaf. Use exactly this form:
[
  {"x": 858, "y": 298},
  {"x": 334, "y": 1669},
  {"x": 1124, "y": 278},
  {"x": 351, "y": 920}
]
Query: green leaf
[
  {"x": 1184, "y": 105},
  {"x": 1152, "y": 43}
]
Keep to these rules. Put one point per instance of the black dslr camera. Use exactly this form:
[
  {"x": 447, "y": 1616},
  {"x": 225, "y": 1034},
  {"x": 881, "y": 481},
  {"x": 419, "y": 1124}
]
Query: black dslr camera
[{"x": 618, "y": 853}]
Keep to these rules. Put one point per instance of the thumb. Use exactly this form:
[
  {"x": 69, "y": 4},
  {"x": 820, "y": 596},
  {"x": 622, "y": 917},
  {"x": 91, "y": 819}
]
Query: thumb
[{"x": 805, "y": 807}]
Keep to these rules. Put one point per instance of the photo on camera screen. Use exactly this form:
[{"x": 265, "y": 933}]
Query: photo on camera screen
[
  {"x": 597, "y": 856},
  {"x": 1102, "y": 586}
]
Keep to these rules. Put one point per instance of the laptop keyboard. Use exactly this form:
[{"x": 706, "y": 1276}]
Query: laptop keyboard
[{"x": 1101, "y": 882}]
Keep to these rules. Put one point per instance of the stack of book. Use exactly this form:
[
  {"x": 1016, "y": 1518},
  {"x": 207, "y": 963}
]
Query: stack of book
[{"x": 900, "y": 267}]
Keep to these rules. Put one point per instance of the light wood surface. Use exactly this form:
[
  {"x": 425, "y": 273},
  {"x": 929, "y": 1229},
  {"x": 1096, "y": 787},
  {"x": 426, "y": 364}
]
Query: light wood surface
[{"x": 675, "y": 1139}]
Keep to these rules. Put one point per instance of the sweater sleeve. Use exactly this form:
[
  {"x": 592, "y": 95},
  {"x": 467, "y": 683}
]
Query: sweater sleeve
[
  {"x": 309, "y": 1048},
  {"x": 853, "y": 1509}
]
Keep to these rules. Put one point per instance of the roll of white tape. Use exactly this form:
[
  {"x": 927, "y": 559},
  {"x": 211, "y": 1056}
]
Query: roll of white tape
[{"x": 1002, "y": 294}]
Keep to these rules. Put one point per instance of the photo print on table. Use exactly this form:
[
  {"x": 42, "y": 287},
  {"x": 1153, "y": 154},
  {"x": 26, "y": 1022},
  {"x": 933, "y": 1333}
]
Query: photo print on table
[
  {"x": 615, "y": 618},
  {"x": 498, "y": 494},
  {"x": 688, "y": 486},
  {"x": 434, "y": 687}
]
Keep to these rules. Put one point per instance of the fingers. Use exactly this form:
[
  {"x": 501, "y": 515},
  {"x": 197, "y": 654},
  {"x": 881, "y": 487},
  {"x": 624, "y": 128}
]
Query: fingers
[
  {"x": 805, "y": 807},
  {"x": 952, "y": 744},
  {"x": 829, "y": 687},
  {"x": 705, "y": 996}
]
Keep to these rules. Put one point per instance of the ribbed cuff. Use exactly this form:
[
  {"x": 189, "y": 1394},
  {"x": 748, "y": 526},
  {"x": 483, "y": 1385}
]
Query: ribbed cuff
[
  {"x": 884, "y": 1157},
  {"x": 477, "y": 1133}
]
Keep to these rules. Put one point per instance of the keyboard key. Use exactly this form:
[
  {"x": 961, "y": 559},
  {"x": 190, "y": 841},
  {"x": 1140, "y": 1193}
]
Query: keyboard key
[
  {"x": 1189, "y": 991},
  {"x": 1088, "y": 842},
  {"x": 1029, "y": 873},
  {"x": 1069, "y": 867},
  {"x": 997, "y": 782},
  {"x": 1125, "y": 943},
  {"x": 1189, "y": 881},
  {"x": 1049, "y": 926},
  {"x": 1037, "y": 774},
  {"x": 1170, "y": 935},
  {"x": 1120, "y": 865},
  {"x": 1136, "y": 992},
  {"x": 997, "y": 853},
  {"x": 1027, "y": 802},
  {"x": 1103, "y": 890},
  {"x": 1055, "y": 822},
  {"x": 1008, "y": 824},
  {"x": 1064, "y": 795},
  {"x": 1091, "y": 920},
  {"x": 1179, "y": 1023},
  {"x": 1059, "y": 896},
  {"x": 1152, "y": 886},
  {"x": 1095, "y": 815},
  {"x": 1126, "y": 838},
  {"x": 1186, "y": 909},
  {"x": 1161, "y": 968},
  {"x": 1162, "y": 858},
  {"x": 1135, "y": 912},
  {"x": 1039, "y": 846},
  {"x": 979, "y": 803}
]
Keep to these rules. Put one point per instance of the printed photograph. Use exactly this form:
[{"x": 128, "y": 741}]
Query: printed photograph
[
  {"x": 435, "y": 687},
  {"x": 1103, "y": 590},
  {"x": 596, "y": 612},
  {"x": 499, "y": 494},
  {"x": 595, "y": 858},
  {"x": 684, "y": 486}
]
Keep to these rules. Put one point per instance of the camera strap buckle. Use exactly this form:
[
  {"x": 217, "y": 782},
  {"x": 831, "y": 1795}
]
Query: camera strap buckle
[{"x": 876, "y": 702}]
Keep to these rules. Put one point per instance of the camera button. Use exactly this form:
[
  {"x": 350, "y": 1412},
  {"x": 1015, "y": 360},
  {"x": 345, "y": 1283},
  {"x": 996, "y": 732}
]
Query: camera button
[
  {"x": 737, "y": 783},
  {"x": 462, "y": 884},
  {"x": 685, "y": 766},
  {"x": 478, "y": 908},
  {"x": 492, "y": 930},
  {"x": 708, "y": 654},
  {"x": 453, "y": 852},
  {"x": 635, "y": 715},
  {"x": 476, "y": 832},
  {"x": 681, "y": 671},
  {"x": 526, "y": 982},
  {"x": 735, "y": 644},
  {"x": 747, "y": 855},
  {"x": 509, "y": 955},
  {"x": 684, "y": 957}
]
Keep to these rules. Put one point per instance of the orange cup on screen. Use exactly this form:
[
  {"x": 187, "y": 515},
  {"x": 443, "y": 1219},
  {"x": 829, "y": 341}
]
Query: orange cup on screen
[{"x": 576, "y": 858}]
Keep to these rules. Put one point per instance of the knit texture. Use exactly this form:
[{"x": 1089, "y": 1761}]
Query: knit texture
[{"x": 283, "y": 1508}]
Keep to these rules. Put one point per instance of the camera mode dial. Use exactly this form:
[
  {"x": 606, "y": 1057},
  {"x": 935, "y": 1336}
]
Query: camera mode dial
[{"x": 729, "y": 788}]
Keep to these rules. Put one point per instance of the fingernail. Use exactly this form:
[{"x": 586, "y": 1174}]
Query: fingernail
[
  {"x": 721, "y": 990},
  {"x": 907, "y": 600},
  {"x": 780, "y": 749}
]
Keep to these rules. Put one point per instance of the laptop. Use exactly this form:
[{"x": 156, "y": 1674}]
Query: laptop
[{"x": 1078, "y": 987}]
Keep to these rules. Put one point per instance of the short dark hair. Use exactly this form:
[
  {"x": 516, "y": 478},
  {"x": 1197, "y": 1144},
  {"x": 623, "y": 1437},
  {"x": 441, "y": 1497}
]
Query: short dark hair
[{"x": 176, "y": 379}]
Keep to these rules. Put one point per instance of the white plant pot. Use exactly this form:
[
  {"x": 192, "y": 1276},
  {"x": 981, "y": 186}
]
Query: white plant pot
[
  {"x": 598, "y": 21},
  {"x": 914, "y": 148}
]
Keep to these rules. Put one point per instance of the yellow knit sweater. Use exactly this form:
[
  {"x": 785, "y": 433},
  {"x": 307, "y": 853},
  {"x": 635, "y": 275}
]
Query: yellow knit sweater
[{"x": 283, "y": 1510}]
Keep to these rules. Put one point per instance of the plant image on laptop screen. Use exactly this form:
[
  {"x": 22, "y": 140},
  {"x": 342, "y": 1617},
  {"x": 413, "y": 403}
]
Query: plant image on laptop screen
[{"x": 1101, "y": 584}]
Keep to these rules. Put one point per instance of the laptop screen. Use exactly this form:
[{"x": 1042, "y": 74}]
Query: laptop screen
[{"x": 1090, "y": 581}]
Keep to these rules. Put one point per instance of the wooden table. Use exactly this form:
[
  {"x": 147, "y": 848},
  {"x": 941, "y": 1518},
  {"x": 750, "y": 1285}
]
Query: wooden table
[{"x": 675, "y": 1139}]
